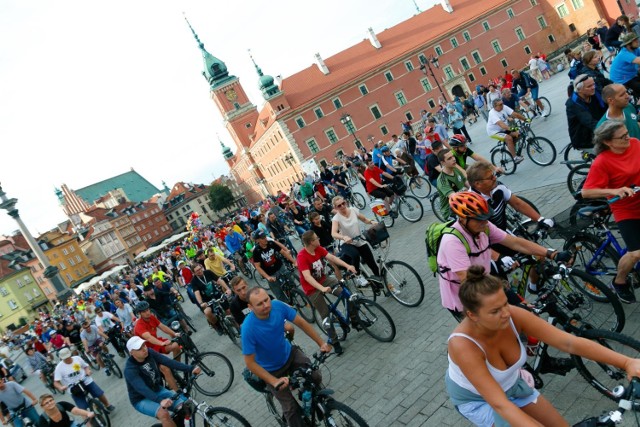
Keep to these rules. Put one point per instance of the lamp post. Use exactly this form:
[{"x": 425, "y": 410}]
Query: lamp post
[
  {"x": 290, "y": 160},
  {"x": 426, "y": 65},
  {"x": 50, "y": 271},
  {"x": 348, "y": 124}
]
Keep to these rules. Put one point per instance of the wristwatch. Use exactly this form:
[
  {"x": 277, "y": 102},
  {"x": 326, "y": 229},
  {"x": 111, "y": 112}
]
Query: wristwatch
[{"x": 550, "y": 252}]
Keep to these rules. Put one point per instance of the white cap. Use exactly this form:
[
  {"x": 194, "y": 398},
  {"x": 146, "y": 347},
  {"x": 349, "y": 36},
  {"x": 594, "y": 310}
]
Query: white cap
[
  {"x": 64, "y": 353},
  {"x": 135, "y": 343}
]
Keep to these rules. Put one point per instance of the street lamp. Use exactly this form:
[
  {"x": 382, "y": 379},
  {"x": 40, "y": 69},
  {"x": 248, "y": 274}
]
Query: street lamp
[
  {"x": 50, "y": 271},
  {"x": 425, "y": 64},
  {"x": 348, "y": 124}
]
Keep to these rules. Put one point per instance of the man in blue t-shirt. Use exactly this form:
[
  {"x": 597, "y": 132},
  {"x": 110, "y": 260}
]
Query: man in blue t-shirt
[
  {"x": 269, "y": 355},
  {"x": 376, "y": 154},
  {"x": 233, "y": 241},
  {"x": 624, "y": 68}
]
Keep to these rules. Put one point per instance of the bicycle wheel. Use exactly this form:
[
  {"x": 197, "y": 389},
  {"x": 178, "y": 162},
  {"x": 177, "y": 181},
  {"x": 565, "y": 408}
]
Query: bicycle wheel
[
  {"x": 387, "y": 219},
  {"x": 339, "y": 415},
  {"x": 435, "y": 206},
  {"x": 546, "y": 105},
  {"x": 410, "y": 208},
  {"x": 502, "y": 158},
  {"x": 90, "y": 361},
  {"x": 233, "y": 330},
  {"x": 115, "y": 369},
  {"x": 375, "y": 320},
  {"x": 218, "y": 416},
  {"x": 301, "y": 303},
  {"x": 352, "y": 178},
  {"x": 420, "y": 187},
  {"x": 541, "y": 151},
  {"x": 605, "y": 377},
  {"x": 101, "y": 418},
  {"x": 409, "y": 289},
  {"x": 358, "y": 200},
  {"x": 576, "y": 177},
  {"x": 188, "y": 320},
  {"x": 217, "y": 373},
  {"x": 571, "y": 155},
  {"x": 275, "y": 410},
  {"x": 592, "y": 257}
]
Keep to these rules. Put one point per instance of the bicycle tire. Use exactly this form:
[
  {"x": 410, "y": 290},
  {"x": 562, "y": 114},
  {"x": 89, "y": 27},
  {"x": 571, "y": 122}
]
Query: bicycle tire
[
  {"x": 219, "y": 416},
  {"x": 572, "y": 154},
  {"x": 420, "y": 187},
  {"x": 410, "y": 208},
  {"x": 585, "y": 245},
  {"x": 387, "y": 219},
  {"x": 358, "y": 200},
  {"x": 369, "y": 315},
  {"x": 576, "y": 178},
  {"x": 407, "y": 283},
  {"x": 89, "y": 361},
  {"x": 189, "y": 321},
  {"x": 435, "y": 206},
  {"x": 275, "y": 410},
  {"x": 599, "y": 375},
  {"x": 352, "y": 178},
  {"x": 213, "y": 382},
  {"x": 115, "y": 369},
  {"x": 300, "y": 301},
  {"x": 101, "y": 418},
  {"x": 233, "y": 331},
  {"x": 541, "y": 151},
  {"x": 502, "y": 158},
  {"x": 338, "y": 414},
  {"x": 546, "y": 106}
]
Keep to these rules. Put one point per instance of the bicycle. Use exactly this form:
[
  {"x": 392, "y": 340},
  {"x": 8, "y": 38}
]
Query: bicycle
[
  {"x": 575, "y": 156},
  {"x": 355, "y": 199},
  {"x": 226, "y": 322},
  {"x": 110, "y": 363},
  {"x": 181, "y": 315},
  {"x": 359, "y": 313},
  {"x": 212, "y": 382},
  {"x": 627, "y": 401},
  {"x": 419, "y": 186},
  {"x": 101, "y": 418},
  {"x": 47, "y": 371},
  {"x": 288, "y": 281},
  {"x": 540, "y": 150},
  {"x": 409, "y": 207},
  {"x": 534, "y": 110}
]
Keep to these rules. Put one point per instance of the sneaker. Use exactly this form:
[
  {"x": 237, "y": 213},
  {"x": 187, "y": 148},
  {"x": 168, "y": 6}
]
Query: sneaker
[
  {"x": 111, "y": 408},
  {"x": 556, "y": 365},
  {"x": 107, "y": 372},
  {"x": 361, "y": 282},
  {"x": 393, "y": 290},
  {"x": 625, "y": 293},
  {"x": 376, "y": 279},
  {"x": 518, "y": 159},
  {"x": 337, "y": 348}
]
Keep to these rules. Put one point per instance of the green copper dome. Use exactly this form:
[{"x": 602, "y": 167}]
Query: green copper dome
[
  {"x": 226, "y": 151},
  {"x": 215, "y": 71},
  {"x": 265, "y": 82}
]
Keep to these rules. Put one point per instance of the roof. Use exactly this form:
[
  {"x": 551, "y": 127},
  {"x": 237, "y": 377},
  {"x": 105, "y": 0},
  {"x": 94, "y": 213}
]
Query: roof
[
  {"x": 137, "y": 188},
  {"x": 362, "y": 58},
  {"x": 5, "y": 270}
]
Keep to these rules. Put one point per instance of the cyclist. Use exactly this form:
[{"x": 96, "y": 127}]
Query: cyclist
[
  {"x": 93, "y": 341},
  {"x": 37, "y": 362},
  {"x": 124, "y": 312},
  {"x": 106, "y": 323},
  {"x": 269, "y": 355},
  {"x": 620, "y": 109},
  {"x": 144, "y": 381},
  {"x": 279, "y": 230},
  {"x": 497, "y": 124},
  {"x": 215, "y": 263},
  {"x": 525, "y": 86},
  {"x": 461, "y": 152},
  {"x": 625, "y": 65},
  {"x": 452, "y": 179},
  {"x": 14, "y": 396},
  {"x": 584, "y": 109},
  {"x": 162, "y": 308},
  {"x": 473, "y": 214},
  {"x": 298, "y": 214},
  {"x": 324, "y": 209},
  {"x": 234, "y": 243},
  {"x": 375, "y": 188},
  {"x": 57, "y": 414},
  {"x": 206, "y": 286},
  {"x": 432, "y": 164},
  {"x": 267, "y": 262}
]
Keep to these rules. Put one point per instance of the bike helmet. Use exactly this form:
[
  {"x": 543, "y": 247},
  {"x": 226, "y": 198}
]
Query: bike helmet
[
  {"x": 457, "y": 140},
  {"x": 142, "y": 306},
  {"x": 258, "y": 234},
  {"x": 468, "y": 204}
]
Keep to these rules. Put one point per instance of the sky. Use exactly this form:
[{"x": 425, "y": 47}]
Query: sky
[{"x": 89, "y": 90}]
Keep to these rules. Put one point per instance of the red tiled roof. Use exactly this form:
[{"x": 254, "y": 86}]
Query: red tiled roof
[
  {"x": 362, "y": 58},
  {"x": 99, "y": 214},
  {"x": 4, "y": 268},
  {"x": 20, "y": 242}
]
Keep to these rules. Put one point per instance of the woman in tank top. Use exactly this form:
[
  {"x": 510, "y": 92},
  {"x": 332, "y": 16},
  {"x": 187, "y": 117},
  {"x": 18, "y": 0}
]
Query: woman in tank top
[{"x": 485, "y": 380}]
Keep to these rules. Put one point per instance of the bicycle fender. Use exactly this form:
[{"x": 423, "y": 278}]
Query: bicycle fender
[{"x": 325, "y": 392}]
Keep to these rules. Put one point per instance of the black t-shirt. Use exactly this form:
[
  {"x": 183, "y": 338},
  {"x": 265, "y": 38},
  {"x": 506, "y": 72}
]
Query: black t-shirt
[
  {"x": 239, "y": 309},
  {"x": 65, "y": 409},
  {"x": 412, "y": 145},
  {"x": 73, "y": 334},
  {"x": 300, "y": 215},
  {"x": 432, "y": 162},
  {"x": 206, "y": 285},
  {"x": 325, "y": 212},
  {"x": 498, "y": 203},
  {"x": 324, "y": 233},
  {"x": 267, "y": 258}
]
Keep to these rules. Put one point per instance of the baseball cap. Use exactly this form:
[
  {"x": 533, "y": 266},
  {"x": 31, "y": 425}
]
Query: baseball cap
[
  {"x": 64, "y": 353},
  {"x": 135, "y": 343},
  {"x": 385, "y": 148}
]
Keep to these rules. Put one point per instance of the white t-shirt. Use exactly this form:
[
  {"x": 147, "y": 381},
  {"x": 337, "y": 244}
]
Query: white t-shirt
[
  {"x": 105, "y": 321},
  {"x": 350, "y": 225},
  {"x": 495, "y": 117},
  {"x": 533, "y": 64},
  {"x": 125, "y": 314},
  {"x": 72, "y": 373}
]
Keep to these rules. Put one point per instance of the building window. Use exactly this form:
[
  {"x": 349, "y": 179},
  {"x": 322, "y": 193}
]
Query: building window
[
  {"x": 551, "y": 38},
  {"x": 472, "y": 78},
  {"x": 495, "y": 44},
  {"x": 376, "y": 112},
  {"x": 448, "y": 71},
  {"x": 438, "y": 50},
  {"x": 363, "y": 89},
  {"x": 476, "y": 57},
  {"x": 388, "y": 76},
  {"x": 504, "y": 62},
  {"x": 313, "y": 146},
  {"x": 542, "y": 22},
  {"x": 65, "y": 251},
  {"x": 510, "y": 13},
  {"x": 425, "y": 84},
  {"x": 339, "y": 153},
  {"x": 13, "y": 305},
  {"x": 71, "y": 262},
  {"x": 527, "y": 50},
  {"x": 384, "y": 130},
  {"x": 26, "y": 279},
  {"x": 562, "y": 10},
  {"x": 300, "y": 122},
  {"x": 69, "y": 278},
  {"x": 466, "y": 36},
  {"x": 323, "y": 163},
  {"x": 465, "y": 63},
  {"x": 401, "y": 98},
  {"x": 337, "y": 103},
  {"x": 19, "y": 282},
  {"x": 577, "y": 4},
  {"x": 431, "y": 103},
  {"x": 454, "y": 42},
  {"x": 520, "y": 34},
  {"x": 331, "y": 135},
  {"x": 28, "y": 296},
  {"x": 408, "y": 65},
  {"x": 533, "y": 2},
  {"x": 422, "y": 59},
  {"x": 319, "y": 113},
  {"x": 486, "y": 26},
  {"x": 4, "y": 292},
  {"x": 36, "y": 293},
  {"x": 408, "y": 116},
  {"x": 483, "y": 71}
]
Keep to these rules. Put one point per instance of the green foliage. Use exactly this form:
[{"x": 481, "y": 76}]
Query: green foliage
[{"x": 220, "y": 197}]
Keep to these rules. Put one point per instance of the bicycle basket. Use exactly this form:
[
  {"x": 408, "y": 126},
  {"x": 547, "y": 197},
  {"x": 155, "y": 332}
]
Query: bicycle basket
[
  {"x": 378, "y": 207},
  {"x": 377, "y": 234},
  {"x": 568, "y": 223},
  {"x": 399, "y": 187},
  {"x": 254, "y": 381}
]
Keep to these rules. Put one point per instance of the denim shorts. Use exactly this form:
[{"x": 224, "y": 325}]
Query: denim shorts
[
  {"x": 482, "y": 414},
  {"x": 150, "y": 408}
]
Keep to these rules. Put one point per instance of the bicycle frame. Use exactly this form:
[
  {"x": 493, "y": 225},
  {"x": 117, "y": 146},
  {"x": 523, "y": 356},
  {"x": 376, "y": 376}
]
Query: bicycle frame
[{"x": 345, "y": 295}]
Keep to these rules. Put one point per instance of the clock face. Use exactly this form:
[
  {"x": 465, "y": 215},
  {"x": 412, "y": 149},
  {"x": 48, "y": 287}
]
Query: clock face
[{"x": 231, "y": 95}]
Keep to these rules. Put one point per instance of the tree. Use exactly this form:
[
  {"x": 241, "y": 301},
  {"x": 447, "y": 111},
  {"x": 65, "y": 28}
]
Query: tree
[{"x": 220, "y": 197}]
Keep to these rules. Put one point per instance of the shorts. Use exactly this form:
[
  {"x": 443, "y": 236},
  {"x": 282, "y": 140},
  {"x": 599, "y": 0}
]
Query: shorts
[
  {"x": 629, "y": 232},
  {"x": 534, "y": 93},
  {"x": 93, "y": 389},
  {"x": 482, "y": 414},
  {"x": 95, "y": 348},
  {"x": 150, "y": 408}
]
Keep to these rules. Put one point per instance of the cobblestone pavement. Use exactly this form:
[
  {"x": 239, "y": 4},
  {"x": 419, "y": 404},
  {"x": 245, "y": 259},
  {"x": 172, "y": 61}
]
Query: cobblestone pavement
[{"x": 401, "y": 383}]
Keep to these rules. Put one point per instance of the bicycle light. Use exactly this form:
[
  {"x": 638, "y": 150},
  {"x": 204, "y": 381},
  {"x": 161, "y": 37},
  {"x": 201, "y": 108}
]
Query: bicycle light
[{"x": 175, "y": 325}]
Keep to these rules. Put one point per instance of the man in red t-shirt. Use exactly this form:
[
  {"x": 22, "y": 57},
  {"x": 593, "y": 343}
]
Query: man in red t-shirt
[
  {"x": 311, "y": 264},
  {"x": 185, "y": 273},
  {"x": 373, "y": 176}
]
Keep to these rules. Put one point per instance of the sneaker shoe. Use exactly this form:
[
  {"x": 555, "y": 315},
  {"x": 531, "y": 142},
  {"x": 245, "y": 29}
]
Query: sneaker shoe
[
  {"x": 361, "y": 282},
  {"x": 111, "y": 408},
  {"x": 518, "y": 159},
  {"x": 337, "y": 348},
  {"x": 625, "y": 293},
  {"x": 107, "y": 372},
  {"x": 393, "y": 290},
  {"x": 556, "y": 365},
  {"x": 377, "y": 279}
]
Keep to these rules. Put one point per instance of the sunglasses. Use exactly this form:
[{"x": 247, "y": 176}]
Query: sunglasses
[{"x": 339, "y": 205}]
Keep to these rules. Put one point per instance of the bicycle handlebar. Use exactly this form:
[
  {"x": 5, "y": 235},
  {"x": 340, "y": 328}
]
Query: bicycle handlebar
[
  {"x": 635, "y": 189},
  {"x": 298, "y": 376}
]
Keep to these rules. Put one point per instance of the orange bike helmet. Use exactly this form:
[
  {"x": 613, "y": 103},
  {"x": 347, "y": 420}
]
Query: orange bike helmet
[{"x": 468, "y": 204}]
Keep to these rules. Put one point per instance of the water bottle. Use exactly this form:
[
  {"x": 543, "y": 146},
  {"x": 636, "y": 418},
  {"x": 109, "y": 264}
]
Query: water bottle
[
  {"x": 515, "y": 280},
  {"x": 306, "y": 402}
]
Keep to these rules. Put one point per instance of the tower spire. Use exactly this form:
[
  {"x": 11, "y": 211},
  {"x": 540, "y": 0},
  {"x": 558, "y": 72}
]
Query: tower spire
[
  {"x": 265, "y": 83},
  {"x": 226, "y": 151}
]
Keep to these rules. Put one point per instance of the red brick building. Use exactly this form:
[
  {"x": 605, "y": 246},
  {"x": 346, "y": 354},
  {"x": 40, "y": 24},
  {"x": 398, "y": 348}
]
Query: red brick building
[{"x": 378, "y": 83}]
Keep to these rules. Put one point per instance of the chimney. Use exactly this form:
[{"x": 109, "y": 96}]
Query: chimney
[
  {"x": 320, "y": 63},
  {"x": 373, "y": 39},
  {"x": 446, "y": 5}
]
